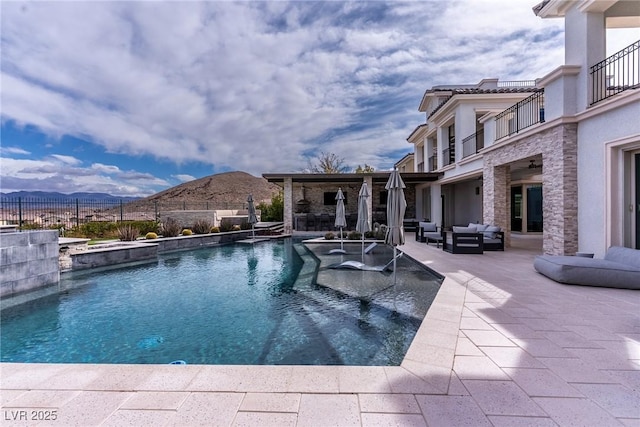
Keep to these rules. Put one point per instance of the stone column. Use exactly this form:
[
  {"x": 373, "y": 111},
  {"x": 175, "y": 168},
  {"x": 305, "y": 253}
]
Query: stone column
[
  {"x": 496, "y": 198},
  {"x": 288, "y": 205},
  {"x": 560, "y": 192},
  {"x": 368, "y": 179}
]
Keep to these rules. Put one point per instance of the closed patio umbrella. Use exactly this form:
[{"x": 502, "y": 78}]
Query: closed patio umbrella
[
  {"x": 341, "y": 220},
  {"x": 396, "y": 206},
  {"x": 362, "y": 226},
  {"x": 253, "y": 219}
]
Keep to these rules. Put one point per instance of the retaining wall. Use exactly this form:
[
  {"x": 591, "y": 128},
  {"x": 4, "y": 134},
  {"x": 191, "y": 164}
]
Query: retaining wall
[{"x": 28, "y": 261}]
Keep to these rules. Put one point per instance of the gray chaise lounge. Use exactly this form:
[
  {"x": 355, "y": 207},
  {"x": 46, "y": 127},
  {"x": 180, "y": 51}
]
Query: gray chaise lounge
[{"x": 620, "y": 268}]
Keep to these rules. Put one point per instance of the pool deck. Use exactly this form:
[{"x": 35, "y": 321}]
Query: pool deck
[{"x": 501, "y": 345}]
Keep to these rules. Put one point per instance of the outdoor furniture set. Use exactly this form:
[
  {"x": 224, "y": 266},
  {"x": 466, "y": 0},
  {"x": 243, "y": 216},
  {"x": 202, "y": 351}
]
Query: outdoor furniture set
[{"x": 473, "y": 239}]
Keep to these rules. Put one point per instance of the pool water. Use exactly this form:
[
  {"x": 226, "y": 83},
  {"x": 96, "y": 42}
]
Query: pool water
[{"x": 235, "y": 304}]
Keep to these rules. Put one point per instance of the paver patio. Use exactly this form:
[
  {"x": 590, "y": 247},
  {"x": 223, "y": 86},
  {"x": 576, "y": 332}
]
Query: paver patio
[{"x": 501, "y": 345}]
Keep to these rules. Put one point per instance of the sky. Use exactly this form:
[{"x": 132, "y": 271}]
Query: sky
[{"x": 131, "y": 98}]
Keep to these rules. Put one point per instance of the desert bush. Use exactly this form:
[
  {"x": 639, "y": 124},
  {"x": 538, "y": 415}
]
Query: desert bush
[
  {"x": 244, "y": 225},
  {"x": 236, "y": 227},
  {"x": 127, "y": 233},
  {"x": 151, "y": 235},
  {"x": 187, "y": 232},
  {"x": 226, "y": 225},
  {"x": 215, "y": 229},
  {"x": 354, "y": 235},
  {"x": 201, "y": 226},
  {"x": 171, "y": 228},
  {"x": 145, "y": 227},
  {"x": 329, "y": 236}
]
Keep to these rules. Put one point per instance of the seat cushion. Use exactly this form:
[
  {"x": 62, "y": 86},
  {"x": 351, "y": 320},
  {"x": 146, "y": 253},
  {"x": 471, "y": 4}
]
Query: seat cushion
[
  {"x": 428, "y": 226},
  {"x": 457, "y": 229},
  {"x": 588, "y": 271}
]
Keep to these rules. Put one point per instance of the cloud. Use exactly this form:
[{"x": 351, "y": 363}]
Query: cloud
[
  {"x": 184, "y": 177},
  {"x": 13, "y": 150},
  {"x": 66, "y": 160}
]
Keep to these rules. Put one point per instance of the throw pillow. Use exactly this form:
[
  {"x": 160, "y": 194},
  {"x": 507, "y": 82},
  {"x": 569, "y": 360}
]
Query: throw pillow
[
  {"x": 490, "y": 231},
  {"x": 428, "y": 226}
]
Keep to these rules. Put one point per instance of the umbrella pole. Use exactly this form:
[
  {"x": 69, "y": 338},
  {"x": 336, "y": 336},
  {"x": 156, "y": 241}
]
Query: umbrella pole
[
  {"x": 394, "y": 266},
  {"x": 341, "y": 241},
  {"x": 253, "y": 232}
]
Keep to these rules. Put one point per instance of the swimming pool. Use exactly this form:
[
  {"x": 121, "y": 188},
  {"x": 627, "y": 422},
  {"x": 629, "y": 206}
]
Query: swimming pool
[{"x": 234, "y": 304}]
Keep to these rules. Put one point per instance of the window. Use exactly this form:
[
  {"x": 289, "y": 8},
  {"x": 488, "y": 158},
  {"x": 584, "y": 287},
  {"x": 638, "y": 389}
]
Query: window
[
  {"x": 330, "y": 198},
  {"x": 383, "y": 197}
]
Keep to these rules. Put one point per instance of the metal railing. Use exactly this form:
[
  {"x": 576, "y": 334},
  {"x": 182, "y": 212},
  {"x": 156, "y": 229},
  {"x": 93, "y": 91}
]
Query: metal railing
[
  {"x": 433, "y": 163},
  {"x": 448, "y": 156},
  {"x": 473, "y": 143},
  {"x": 517, "y": 83},
  {"x": 55, "y": 213},
  {"x": 522, "y": 115},
  {"x": 617, "y": 73}
]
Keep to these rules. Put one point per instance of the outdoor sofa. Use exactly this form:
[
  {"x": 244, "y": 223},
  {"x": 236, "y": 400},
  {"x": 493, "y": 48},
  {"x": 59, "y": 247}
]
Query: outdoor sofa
[
  {"x": 473, "y": 239},
  {"x": 427, "y": 232},
  {"x": 620, "y": 268}
]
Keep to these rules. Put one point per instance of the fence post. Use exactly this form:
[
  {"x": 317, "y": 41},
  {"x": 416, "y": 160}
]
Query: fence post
[
  {"x": 155, "y": 209},
  {"x": 77, "y": 214},
  {"x": 121, "y": 216},
  {"x": 20, "y": 212}
]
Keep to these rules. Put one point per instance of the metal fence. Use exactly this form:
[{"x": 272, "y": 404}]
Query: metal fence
[
  {"x": 55, "y": 213},
  {"x": 521, "y": 115},
  {"x": 617, "y": 73}
]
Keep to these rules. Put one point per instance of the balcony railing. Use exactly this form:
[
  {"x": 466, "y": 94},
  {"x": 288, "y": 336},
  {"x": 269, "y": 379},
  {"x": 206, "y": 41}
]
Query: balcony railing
[
  {"x": 517, "y": 83},
  {"x": 420, "y": 167},
  {"x": 448, "y": 156},
  {"x": 473, "y": 143},
  {"x": 520, "y": 116},
  {"x": 433, "y": 163},
  {"x": 617, "y": 73}
]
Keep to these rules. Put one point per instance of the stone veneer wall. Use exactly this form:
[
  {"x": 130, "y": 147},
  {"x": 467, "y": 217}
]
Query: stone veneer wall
[
  {"x": 559, "y": 149},
  {"x": 28, "y": 261}
]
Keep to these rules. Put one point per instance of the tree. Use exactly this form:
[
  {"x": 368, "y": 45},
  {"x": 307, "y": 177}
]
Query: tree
[
  {"x": 274, "y": 211},
  {"x": 365, "y": 169},
  {"x": 327, "y": 163}
]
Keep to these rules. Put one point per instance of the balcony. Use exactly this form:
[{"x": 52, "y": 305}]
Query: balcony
[
  {"x": 617, "y": 73},
  {"x": 448, "y": 156},
  {"x": 473, "y": 143},
  {"x": 433, "y": 163},
  {"x": 522, "y": 115}
]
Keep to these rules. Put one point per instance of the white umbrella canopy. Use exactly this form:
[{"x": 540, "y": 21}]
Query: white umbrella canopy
[
  {"x": 362, "y": 226},
  {"x": 396, "y": 206},
  {"x": 341, "y": 219},
  {"x": 253, "y": 218}
]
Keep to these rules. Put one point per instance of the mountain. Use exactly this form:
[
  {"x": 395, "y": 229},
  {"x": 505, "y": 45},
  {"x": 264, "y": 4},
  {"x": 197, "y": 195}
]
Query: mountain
[
  {"x": 224, "y": 188},
  {"x": 52, "y": 195}
]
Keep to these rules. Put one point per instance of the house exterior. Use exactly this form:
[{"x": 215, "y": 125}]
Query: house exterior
[
  {"x": 406, "y": 164},
  {"x": 559, "y": 155}
]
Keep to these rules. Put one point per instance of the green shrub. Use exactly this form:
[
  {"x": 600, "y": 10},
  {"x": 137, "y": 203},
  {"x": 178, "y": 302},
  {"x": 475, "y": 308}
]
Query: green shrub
[
  {"x": 273, "y": 211},
  {"x": 354, "y": 235},
  {"x": 171, "y": 228},
  {"x": 201, "y": 226},
  {"x": 244, "y": 225},
  {"x": 215, "y": 229},
  {"x": 329, "y": 236},
  {"x": 127, "y": 233},
  {"x": 145, "y": 227},
  {"x": 151, "y": 235},
  {"x": 226, "y": 225},
  {"x": 187, "y": 232}
]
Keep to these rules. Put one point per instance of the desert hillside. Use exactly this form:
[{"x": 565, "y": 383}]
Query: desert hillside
[{"x": 224, "y": 188}]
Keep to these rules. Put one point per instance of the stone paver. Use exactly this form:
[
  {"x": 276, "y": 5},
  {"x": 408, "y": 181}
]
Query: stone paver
[{"x": 501, "y": 345}]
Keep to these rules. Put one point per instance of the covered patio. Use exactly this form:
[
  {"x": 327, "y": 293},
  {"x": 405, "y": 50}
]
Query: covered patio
[{"x": 309, "y": 199}]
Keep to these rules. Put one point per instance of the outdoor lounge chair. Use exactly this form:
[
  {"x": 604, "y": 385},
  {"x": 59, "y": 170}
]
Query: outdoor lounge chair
[
  {"x": 620, "y": 268},
  {"x": 357, "y": 265},
  {"x": 463, "y": 240},
  {"x": 428, "y": 232}
]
